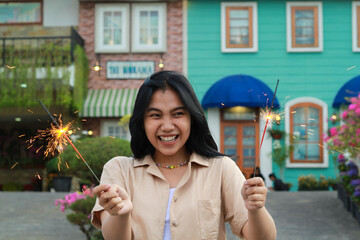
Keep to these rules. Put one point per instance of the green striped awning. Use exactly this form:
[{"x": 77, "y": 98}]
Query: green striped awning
[{"x": 109, "y": 102}]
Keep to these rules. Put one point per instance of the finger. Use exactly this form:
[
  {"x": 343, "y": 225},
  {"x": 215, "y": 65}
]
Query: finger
[
  {"x": 101, "y": 188},
  {"x": 256, "y": 204},
  {"x": 256, "y": 181},
  {"x": 256, "y": 197},
  {"x": 106, "y": 197},
  {"x": 114, "y": 202},
  {"x": 255, "y": 190},
  {"x": 122, "y": 193}
]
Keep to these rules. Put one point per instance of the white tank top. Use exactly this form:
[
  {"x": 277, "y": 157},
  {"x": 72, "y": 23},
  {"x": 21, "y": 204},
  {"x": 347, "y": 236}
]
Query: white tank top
[{"x": 167, "y": 232}]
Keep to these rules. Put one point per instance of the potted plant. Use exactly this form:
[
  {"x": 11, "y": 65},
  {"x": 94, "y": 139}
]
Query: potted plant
[
  {"x": 276, "y": 133},
  {"x": 58, "y": 175},
  {"x": 280, "y": 153}
]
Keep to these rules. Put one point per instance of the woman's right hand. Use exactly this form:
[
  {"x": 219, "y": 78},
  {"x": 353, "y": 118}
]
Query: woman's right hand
[{"x": 113, "y": 199}]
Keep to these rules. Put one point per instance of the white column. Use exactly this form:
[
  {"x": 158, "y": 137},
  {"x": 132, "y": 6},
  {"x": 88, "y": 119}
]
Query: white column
[
  {"x": 265, "y": 154},
  {"x": 213, "y": 119}
]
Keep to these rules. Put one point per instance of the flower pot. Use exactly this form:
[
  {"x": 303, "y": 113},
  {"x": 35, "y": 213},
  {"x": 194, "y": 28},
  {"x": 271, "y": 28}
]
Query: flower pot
[
  {"x": 340, "y": 192},
  {"x": 62, "y": 183},
  {"x": 357, "y": 213},
  {"x": 353, "y": 208},
  {"x": 347, "y": 202}
]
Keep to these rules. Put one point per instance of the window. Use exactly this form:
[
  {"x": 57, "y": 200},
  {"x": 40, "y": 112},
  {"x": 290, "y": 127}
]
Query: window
[
  {"x": 304, "y": 26},
  {"x": 239, "y": 27},
  {"x": 113, "y": 129},
  {"x": 306, "y": 123},
  {"x": 149, "y": 27},
  {"x": 356, "y": 26},
  {"x": 111, "y": 28},
  {"x": 12, "y": 13}
]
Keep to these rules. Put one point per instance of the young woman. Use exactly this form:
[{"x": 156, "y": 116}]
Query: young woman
[{"x": 177, "y": 185}]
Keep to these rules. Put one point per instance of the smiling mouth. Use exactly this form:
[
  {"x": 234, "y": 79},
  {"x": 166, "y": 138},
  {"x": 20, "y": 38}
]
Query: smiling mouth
[{"x": 168, "y": 139}]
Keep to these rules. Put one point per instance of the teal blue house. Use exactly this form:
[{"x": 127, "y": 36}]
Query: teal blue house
[{"x": 237, "y": 50}]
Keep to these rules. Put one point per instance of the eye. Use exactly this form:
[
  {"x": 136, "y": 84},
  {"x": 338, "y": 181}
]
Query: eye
[
  {"x": 154, "y": 115},
  {"x": 177, "y": 114}
]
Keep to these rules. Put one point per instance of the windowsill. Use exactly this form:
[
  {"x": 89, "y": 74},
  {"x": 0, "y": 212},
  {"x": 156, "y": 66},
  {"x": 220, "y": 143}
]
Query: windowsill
[
  {"x": 306, "y": 165},
  {"x": 307, "y": 49},
  {"x": 239, "y": 50}
]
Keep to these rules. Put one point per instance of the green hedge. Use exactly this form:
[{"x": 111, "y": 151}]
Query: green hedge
[{"x": 95, "y": 150}]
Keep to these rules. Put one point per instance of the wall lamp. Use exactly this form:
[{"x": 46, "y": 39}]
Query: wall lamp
[{"x": 334, "y": 118}]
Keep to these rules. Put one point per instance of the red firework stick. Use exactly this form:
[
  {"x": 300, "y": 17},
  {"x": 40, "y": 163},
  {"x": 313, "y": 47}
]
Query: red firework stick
[
  {"x": 69, "y": 141},
  {"x": 267, "y": 121}
]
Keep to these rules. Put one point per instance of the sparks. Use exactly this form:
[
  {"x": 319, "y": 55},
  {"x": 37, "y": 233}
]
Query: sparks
[
  {"x": 350, "y": 68},
  {"x": 266, "y": 124},
  {"x": 59, "y": 138},
  {"x": 14, "y": 165},
  {"x": 10, "y": 67},
  {"x": 56, "y": 138}
]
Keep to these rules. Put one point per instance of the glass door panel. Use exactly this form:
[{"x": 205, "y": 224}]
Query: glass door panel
[{"x": 230, "y": 142}]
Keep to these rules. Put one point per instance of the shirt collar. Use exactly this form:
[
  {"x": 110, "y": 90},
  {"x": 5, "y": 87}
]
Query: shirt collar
[{"x": 194, "y": 158}]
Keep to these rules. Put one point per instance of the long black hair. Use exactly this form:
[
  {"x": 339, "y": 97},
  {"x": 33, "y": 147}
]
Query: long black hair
[{"x": 200, "y": 140}]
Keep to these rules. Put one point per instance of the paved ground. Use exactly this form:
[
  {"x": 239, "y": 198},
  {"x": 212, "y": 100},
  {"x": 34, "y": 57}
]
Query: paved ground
[{"x": 298, "y": 216}]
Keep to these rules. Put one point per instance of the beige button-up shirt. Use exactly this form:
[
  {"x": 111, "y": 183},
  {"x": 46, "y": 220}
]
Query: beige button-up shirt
[{"x": 208, "y": 195}]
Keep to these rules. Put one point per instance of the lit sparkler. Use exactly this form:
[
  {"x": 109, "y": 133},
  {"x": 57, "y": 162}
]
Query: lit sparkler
[
  {"x": 268, "y": 117},
  {"x": 58, "y": 138}
]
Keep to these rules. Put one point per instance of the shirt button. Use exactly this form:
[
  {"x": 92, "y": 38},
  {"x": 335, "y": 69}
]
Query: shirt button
[
  {"x": 175, "y": 199},
  {"x": 174, "y": 224}
]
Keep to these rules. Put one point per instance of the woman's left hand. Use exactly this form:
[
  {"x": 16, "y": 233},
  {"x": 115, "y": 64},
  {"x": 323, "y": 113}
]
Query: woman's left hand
[{"x": 254, "y": 193}]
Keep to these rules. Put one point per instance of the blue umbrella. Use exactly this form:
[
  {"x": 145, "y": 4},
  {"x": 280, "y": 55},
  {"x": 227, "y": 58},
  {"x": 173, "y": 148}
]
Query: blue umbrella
[
  {"x": 348, "y": 90},
  {"x": 239, "y": 90}
]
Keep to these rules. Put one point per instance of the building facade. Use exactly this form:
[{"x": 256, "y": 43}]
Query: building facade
[
  {"x": 312, "y": 48},
  {"x": 40, "y": 52},
  {"x": 127, "y": 40}
]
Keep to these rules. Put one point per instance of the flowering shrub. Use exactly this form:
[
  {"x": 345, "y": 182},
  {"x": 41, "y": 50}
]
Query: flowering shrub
[
  {"x": 346, "y": 138},
  {"x": 310, "y": 182},
  {"x": 81, "y": 204}
]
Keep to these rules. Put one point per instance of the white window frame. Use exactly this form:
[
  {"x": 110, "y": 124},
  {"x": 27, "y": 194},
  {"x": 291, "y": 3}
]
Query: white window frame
[
  {"x": 135, "y": 42},
  {"x": 355, "y": 25},
  {"x": 289, "y": 46},
  {"x": 254, "y": 47},
  {"x": 324, "y": 106},
  {"x": 105, "y": 124},
  {"x": 99, "y": 36}
]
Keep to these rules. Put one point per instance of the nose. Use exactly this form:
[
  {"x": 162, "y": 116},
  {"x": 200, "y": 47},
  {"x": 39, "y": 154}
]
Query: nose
[{"x": 167, "y": 125}]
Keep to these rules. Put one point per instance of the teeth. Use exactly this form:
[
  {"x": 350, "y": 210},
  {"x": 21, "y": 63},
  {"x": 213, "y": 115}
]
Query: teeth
[{"x": 168, "y": 139}]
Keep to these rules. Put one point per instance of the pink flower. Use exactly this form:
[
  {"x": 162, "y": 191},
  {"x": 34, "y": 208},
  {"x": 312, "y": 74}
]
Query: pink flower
[
  {"x": 344, "y": 115},
  {"x": 352, "y": 106},
  {"x": 354, "y": 100},
  {"x": 333, "y": 131},
  {"x": 357, "y": 111}
]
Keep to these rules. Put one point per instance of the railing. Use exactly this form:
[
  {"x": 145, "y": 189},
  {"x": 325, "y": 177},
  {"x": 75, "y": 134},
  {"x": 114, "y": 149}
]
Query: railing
[{"x": 26, "y": 49}]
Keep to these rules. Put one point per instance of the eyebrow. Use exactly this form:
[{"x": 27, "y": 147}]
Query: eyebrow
[{"x": 158, "y": 110}]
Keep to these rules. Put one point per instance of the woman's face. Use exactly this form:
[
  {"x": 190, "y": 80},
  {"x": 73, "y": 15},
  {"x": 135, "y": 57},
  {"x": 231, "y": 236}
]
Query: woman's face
[{"x": 167, "y": 124}]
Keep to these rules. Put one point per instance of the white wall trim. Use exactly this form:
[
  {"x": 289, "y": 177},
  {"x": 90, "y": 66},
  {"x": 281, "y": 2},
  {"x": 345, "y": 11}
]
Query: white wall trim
[
  {"x": 289, "y": 47},
  {"x": 213, "y": 119},
  {"x": 324, "y": 106},
  {"x": 161, "y": 46},
  {"x": 99, "y": 10},
  {"x": 254, "y": 47},
  {"x": 266, "y": 163},
  {"x": 354, "y": 27}
]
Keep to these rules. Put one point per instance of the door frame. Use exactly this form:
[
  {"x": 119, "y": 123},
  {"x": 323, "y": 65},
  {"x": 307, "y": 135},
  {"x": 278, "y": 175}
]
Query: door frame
[{"x": 241, "y": 123}]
